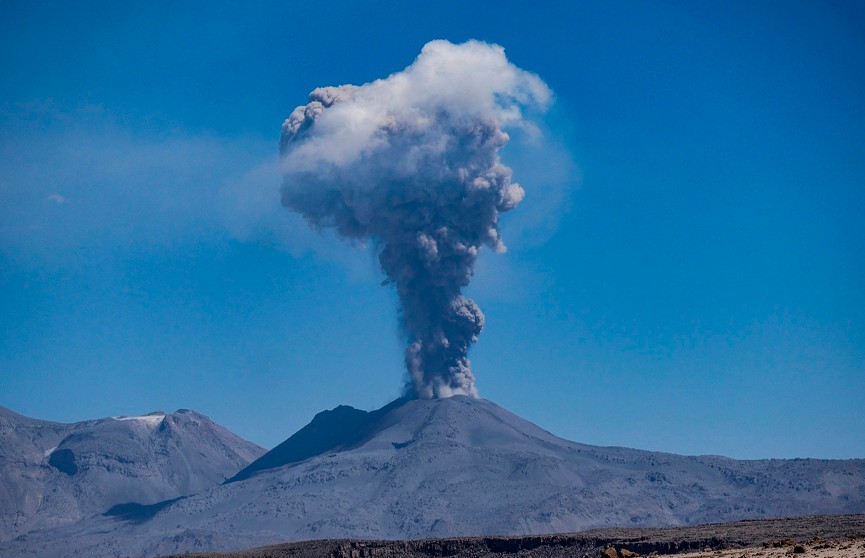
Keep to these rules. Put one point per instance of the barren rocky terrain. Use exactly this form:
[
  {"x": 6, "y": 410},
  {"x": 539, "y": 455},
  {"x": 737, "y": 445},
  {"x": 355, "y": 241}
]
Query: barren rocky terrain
[{"x": 833, "y": 536}]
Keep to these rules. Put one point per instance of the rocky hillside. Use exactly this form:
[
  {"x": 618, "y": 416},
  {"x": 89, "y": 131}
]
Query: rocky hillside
[{"x": 53, "y": 474}]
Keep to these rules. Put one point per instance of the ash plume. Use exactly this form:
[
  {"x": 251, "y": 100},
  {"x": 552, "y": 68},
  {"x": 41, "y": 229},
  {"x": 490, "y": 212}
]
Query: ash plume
[{"x": 410, "y": 162}]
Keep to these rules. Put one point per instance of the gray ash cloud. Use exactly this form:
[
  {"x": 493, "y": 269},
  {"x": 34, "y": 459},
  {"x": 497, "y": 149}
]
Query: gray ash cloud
[{"x": 411, "y": 164}]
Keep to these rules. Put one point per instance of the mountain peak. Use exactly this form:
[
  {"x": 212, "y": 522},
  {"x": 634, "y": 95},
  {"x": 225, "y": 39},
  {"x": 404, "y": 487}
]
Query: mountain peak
[
  {"x": 470, "y": 420},
  {"x": 54, "y": 473},
  {"x": 333, "y": 429}
]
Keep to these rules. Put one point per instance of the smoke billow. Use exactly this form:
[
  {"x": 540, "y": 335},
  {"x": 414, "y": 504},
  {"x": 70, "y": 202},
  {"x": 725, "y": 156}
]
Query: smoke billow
[{"x": 411, "y": 163}]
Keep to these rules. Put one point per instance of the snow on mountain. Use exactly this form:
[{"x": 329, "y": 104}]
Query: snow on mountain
[
  {"x": 153, "y": 419},
  {"x": 447, "y": 467},
  {"x": 53, "y": 474}
]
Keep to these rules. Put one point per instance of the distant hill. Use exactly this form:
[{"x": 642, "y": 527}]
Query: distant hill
[
  {"x": 54, "y": 474},
  {"x": 454, "y": 467}
]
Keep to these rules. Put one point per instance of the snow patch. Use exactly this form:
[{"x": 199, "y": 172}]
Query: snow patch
[
  {"x": 48, "y": 452},
  {"x": 149, "y": 420}
]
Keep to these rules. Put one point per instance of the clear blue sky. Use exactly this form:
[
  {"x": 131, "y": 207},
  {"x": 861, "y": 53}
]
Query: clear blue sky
[{"x": 686, "y": 273}]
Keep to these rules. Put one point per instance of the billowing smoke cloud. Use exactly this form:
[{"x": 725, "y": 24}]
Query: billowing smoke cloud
[{"x": 411, "y": 163}]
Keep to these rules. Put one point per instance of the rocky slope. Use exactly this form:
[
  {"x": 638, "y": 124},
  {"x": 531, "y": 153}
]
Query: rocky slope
[
  {"x": 454, "y": 467},
  {"x": 53, "y": 474}
]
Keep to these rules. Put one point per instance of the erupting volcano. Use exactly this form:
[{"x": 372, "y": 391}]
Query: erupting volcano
[{"x": 411, "y": 163}]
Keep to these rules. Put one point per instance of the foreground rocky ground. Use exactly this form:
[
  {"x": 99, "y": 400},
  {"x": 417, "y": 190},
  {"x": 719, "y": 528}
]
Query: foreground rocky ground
[{"x": 829, "y": 536}]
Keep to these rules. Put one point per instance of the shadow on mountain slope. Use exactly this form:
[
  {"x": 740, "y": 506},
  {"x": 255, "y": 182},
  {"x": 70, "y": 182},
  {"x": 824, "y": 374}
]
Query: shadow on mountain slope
[{"x": 336, "y": 429}]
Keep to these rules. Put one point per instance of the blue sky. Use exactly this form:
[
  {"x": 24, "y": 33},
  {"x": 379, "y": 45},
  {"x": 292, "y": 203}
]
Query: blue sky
[{"x": 686, "y": 273}]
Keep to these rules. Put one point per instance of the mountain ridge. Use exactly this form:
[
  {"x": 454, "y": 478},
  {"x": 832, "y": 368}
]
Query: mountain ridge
[
  {"x": 458, "y": 467},
  {"x": 54, "y": 473},
  {"x": 338, "y": 427}
]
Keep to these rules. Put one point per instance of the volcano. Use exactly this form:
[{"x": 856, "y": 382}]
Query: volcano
[
  {"x": 53, "y": 474},
  {"x": 453, "y": 467}
]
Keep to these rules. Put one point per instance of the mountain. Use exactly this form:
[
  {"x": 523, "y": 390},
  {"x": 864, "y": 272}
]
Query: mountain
[
  {"x": 453, "y": 467},
  {"x": 53, "y": 474},
  {"x": 338, "y": 428}
]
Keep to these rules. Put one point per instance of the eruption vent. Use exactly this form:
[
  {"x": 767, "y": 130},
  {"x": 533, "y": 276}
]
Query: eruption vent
[{"x": 411, "y": 163}]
